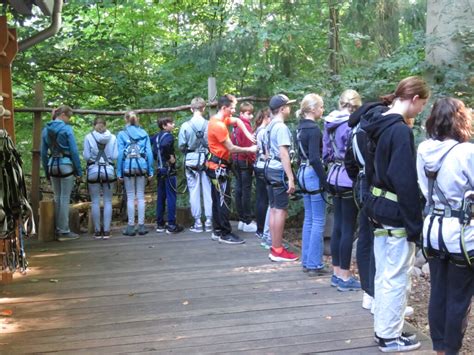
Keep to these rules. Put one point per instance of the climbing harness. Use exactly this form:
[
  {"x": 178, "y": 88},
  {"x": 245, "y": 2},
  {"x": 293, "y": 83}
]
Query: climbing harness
[
  {"x": 104, "y": 167},
  {"x": 464, "y": 215},
  {"x": 133, "y": 153},
  {"x": 16, "y": 215},
  {"x": 305, "y": 164},
  {"x": 56, "y": 153}
]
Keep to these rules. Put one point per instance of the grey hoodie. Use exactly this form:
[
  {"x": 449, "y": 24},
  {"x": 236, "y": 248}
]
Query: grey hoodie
[
  {"x": 90, "y": 146},
  {"x": 455, "y": 177}
]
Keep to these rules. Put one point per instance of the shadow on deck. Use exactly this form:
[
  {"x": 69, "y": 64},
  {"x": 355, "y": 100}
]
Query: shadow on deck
[{"x": 176, "y": 293}]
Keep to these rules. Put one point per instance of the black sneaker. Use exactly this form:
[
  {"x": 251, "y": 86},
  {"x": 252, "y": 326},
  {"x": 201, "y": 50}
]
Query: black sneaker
[
  {"x": 408, "y": 335},
  {"x": 231, "y": 239},
  {"x": 317, "y": 272},
  {"x": 173, "y": 229},
  {"x": 399, "y": 344}
]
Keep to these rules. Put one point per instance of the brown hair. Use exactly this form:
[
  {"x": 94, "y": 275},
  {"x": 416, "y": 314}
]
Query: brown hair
[
  {"x": 264, "y": 112},
  {"x": 246, "y": 107},
  {"x": 62, "y": 109},
  {"x": 449, "y": 118},
  {"x": 407, "y": 89},
  {"x": 100, "y": 120},
  {"x": 163, "y": 121},
  {"x": 225, "y": 101}
]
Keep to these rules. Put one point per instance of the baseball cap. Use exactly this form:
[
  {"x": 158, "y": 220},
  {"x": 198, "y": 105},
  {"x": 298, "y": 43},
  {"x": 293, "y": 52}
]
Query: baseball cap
[{"x": 279, "y": 100}]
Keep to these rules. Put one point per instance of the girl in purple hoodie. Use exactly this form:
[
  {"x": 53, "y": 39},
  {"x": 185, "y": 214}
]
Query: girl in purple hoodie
[{"x": 335, "y": 137}]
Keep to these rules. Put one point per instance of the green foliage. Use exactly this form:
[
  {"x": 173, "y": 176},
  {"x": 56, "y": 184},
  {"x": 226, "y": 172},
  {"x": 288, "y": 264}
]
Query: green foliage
[{"x": 125, "y": 54}]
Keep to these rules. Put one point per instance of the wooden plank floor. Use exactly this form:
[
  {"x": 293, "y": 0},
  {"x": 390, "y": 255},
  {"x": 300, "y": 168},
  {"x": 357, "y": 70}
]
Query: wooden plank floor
[{"x": 182, "y": 294}]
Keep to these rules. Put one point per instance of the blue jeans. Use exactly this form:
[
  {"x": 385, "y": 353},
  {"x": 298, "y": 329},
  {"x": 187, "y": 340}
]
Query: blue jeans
[
  {"x": 313, "y": 225},
  {"x": 62, "y": 188},
  {"x": 166, "y": 193}
]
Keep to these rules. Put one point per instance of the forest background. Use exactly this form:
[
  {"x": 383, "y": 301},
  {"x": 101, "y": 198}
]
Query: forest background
[{"x": 119, "y": 55}]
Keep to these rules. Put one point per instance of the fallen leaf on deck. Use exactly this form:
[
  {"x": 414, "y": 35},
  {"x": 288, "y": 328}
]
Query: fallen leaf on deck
[
  {"x": 131, "y": 294},
  {"x": 151, "y": 246},
  {"x": 348, "y": 341},
  {"x": 185, "y": 303},
  {"x": 6, "y": 313},
  {"x": 43, "y": 250},
  {"x": 54, "y": 280},
  {"x": 34, "y": 280},
  {"x": 328, "y": 317}
]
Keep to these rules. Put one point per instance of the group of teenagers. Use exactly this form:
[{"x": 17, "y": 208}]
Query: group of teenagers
[{"x": 364, "y": 158}]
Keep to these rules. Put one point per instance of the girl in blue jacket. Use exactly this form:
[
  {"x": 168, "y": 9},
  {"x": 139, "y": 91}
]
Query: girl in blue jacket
[
  {"x": 61, "y": 164},
  {"x": 134, "y": 166}
]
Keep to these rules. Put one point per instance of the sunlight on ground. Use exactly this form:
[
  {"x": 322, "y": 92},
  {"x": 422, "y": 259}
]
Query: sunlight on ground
[
  {"x": 266, "y": 268},
  {"x": 7, "y": 325}
]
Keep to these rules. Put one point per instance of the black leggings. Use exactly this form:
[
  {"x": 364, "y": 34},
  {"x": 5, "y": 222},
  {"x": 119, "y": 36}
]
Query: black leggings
[
  {"x": 261, "y": 202},
  {"x": 345, "y": 215}
]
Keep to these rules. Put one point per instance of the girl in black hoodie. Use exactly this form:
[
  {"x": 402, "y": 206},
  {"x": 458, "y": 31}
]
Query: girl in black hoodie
[{"x": 393, "y": 206}]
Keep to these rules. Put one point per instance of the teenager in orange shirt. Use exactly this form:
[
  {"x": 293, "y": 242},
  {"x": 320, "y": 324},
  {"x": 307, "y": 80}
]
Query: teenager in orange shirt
[{"x": 220, "y": 148}]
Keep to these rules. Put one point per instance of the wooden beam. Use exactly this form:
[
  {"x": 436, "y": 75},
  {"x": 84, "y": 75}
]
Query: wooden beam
[
  {"x": 36, "y": 158},
  {"x": 142, "y": 111}
]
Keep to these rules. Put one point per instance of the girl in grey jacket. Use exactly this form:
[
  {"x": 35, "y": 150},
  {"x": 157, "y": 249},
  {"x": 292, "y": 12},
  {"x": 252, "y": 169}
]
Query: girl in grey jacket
[{"x": 100, "y": 152}]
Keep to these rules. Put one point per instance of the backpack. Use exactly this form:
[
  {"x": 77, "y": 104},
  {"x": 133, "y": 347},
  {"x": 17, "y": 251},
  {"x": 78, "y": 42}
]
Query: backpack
[
  {"x": 16, "y": 215},
  {"x": 132, "y": 152},
  {"x": 274, "y": 177},
  {"x": 335, "y": 167},
  {"x": 200, "y": 148},
  {"x": 55, "y": 168},
  {"x": 101, "y": 169}
]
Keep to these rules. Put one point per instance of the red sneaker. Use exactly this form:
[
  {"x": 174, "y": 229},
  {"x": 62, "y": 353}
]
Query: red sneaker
[{"x": 284, "y": 255}]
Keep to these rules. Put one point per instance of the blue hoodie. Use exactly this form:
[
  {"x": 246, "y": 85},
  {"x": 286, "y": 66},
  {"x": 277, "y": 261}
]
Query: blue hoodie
[
  {"x": 144, "y": 162},
  {"x": 66, "y": 143}
]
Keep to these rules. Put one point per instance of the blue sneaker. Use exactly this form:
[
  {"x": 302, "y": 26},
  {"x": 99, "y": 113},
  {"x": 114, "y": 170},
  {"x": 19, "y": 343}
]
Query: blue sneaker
[
  {"x": 335, "y": 281},
  {"x": 350, "y": 285}
]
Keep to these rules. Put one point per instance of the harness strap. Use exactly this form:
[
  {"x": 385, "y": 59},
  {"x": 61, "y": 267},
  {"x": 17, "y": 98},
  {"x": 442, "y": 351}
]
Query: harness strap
[
  {"x": 397, "y": 232},
  {"x": 378, "y": 192}
]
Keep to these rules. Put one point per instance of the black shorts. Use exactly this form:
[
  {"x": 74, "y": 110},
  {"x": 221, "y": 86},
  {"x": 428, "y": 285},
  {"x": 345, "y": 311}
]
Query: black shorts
[{"x": 277, "y": 197}]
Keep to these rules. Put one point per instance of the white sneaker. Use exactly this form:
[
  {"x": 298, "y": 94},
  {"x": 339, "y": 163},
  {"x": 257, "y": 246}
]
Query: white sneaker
[
  {"x": 409, "y": 311},
  {"x": 215, "y": 237},
  {"x": 208, "y": 225},
  {"x": 367, "y": 301},
  {"x": 196, "y": 228},
  {"x": 240, "y": 226},
  {"x": 249, "y": 227}
]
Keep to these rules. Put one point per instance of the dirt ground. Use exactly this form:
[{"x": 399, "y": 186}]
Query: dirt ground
[{"x": 418, "y": 298}]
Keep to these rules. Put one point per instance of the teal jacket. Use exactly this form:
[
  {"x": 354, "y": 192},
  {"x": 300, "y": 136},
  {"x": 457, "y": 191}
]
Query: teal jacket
[
  {"x": 66, "y": 146},
  {"x": 145, "y": 162}
]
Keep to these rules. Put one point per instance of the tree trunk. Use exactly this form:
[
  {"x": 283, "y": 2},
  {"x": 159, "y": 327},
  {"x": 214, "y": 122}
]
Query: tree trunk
[
  {"x": 445, "y": 20},
  {"x": 334, "y": 45}
]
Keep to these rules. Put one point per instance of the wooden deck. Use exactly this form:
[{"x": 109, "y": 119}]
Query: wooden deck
[{"x": 181, "y": 294}]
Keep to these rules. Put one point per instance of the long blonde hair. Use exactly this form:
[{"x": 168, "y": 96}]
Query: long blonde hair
[{"x": 309, "y": 103}]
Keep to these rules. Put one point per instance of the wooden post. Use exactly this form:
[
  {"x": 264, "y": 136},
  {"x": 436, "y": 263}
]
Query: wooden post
[
  {"x": 211, "y": 92},
  {"x": 36, "y": 158},
  {"x": 46, "y": 225},
  {"x": 8, "y": 50}
]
